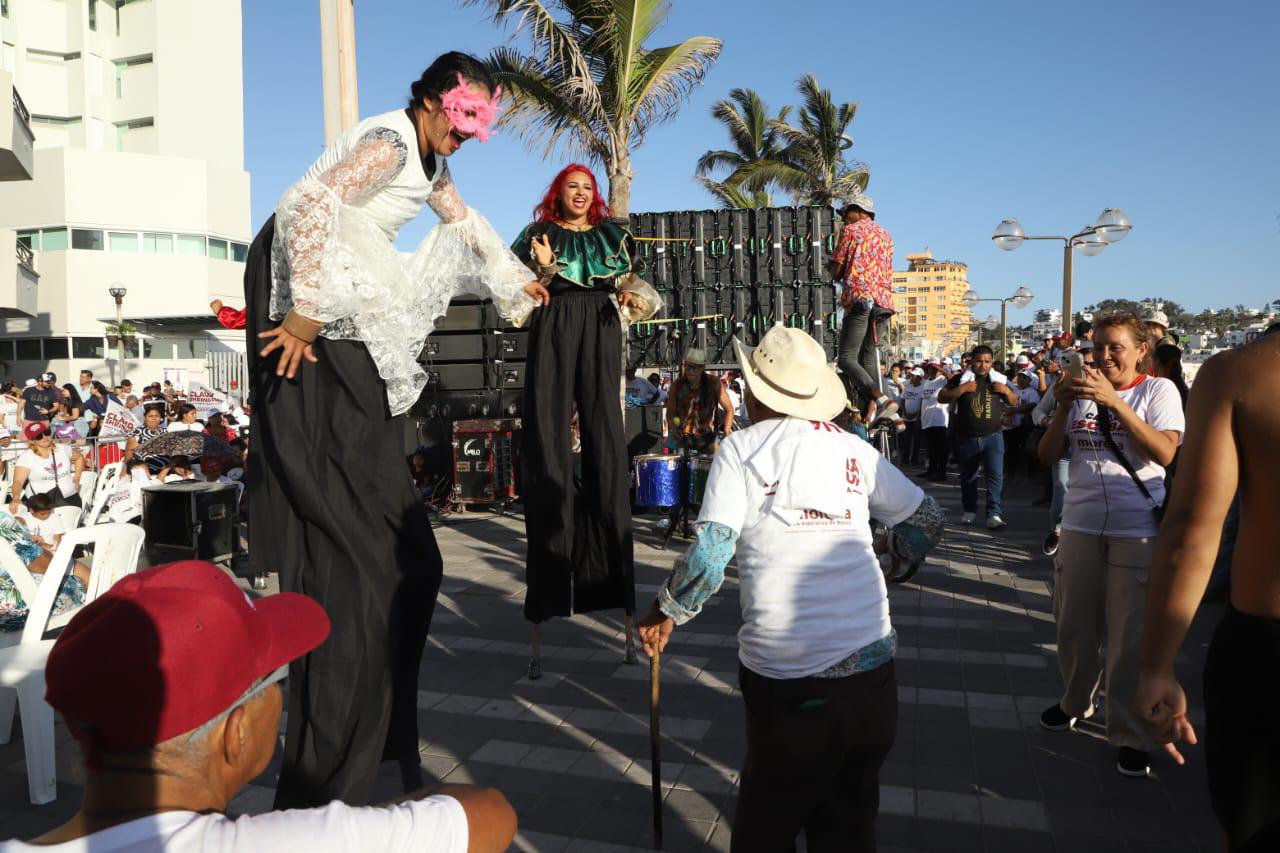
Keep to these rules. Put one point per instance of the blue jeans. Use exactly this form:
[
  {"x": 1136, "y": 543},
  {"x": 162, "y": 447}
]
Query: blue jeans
[
  {"x": 987, "y": 451},
  {"x": 1059, "y": 470}
]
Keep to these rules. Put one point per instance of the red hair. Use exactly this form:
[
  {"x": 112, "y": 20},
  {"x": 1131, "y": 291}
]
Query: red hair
[{"x": 548, "y": 210}]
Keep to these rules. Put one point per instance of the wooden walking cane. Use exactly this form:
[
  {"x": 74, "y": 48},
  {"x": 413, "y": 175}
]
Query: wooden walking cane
[{"x": 655, "y": 744}]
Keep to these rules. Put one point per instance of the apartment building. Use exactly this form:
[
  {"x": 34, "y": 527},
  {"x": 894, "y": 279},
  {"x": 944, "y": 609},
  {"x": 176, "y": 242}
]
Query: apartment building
[{"x": 929, "y": 297}]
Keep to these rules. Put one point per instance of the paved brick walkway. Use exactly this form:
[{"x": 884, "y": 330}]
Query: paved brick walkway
[{"x": 971, "y": 769}]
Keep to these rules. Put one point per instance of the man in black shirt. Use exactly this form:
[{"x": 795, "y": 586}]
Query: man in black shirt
[
  {"x": 40, "y": 400},
  {"x": 980, "y": 402}
]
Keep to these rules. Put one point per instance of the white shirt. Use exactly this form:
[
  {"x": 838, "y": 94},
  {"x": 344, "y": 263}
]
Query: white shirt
[
  {"x": 45, "y": 528},
  {"x": 179, "y": 426},
  {"x": 643, "y": 389},
  {"x": 45, "y": 473},
  {"x": 12, "y": 421},
  {"x": 1025, "y": 395},
  {"x": 912, "y": 400},
  {"x": 932, "y": 413},
  {"x": 1102, "y": 498},
  {"x": 437, "y": 824},
  {"x": 812, "y": 591}
]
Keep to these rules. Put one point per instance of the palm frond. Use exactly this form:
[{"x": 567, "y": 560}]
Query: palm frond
[
  {"x": 540, "y": 110},
  {"x": 664, "y": 78},
  {"x": 713, "y": 160},
  {"x": 735, "y": 197}
]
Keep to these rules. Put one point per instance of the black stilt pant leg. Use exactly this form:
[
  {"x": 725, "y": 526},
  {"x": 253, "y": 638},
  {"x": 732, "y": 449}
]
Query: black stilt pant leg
[
  {"x": 579, "y": 546},
  {"x": 332, "y": 509}
]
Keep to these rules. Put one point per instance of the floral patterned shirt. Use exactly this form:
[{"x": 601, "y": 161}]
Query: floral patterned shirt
[{"x": 865, "y": 254}]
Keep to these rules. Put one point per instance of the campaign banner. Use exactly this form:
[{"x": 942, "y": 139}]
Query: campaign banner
[
  {"x": 118, "y": 421},
  {"x": 205, "y": 399}
]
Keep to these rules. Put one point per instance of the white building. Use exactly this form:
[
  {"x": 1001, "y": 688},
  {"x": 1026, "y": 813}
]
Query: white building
[
  {"x": 137, "y": 178},
  {"x": 1047, "y": 321}
]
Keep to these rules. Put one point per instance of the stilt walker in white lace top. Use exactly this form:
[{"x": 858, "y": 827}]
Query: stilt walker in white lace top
[{"x": 336, "y": 319}]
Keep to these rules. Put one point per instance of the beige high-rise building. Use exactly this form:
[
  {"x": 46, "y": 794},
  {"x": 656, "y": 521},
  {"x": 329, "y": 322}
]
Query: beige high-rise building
[
  {"x": 929, "y": 297},
  {"x": 137, "y": 181}
]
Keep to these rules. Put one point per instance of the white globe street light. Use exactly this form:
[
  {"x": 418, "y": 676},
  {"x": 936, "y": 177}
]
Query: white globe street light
[
  {"x": 1090, "y": 243},
  {"x": 971, "y": 298},
  {"x": 991, "y": 323},
  {"x": 1022, "y": 297},
  {"x": 1113, "y": 225},
  {"x": 1009, "y": 235}
]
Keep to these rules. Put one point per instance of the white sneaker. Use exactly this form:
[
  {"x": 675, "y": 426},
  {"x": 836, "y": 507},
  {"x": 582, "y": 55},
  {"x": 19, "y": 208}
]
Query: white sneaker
[
  {"x": 995, "y": 522},
  {"x": 968, "y": 518}
]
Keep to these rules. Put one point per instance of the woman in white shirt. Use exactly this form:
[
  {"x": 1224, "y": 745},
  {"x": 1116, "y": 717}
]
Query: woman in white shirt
[
  {"x": 1122, "y": 427},
  {"x": 185, "y": 420},
  {"x": 45, "y": 467}
]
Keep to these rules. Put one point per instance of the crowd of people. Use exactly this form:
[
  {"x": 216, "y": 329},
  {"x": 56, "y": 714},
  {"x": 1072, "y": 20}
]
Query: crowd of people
[{"x": 792, "y": 490}]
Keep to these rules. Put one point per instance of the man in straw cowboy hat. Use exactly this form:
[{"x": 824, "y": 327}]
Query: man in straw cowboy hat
[{"x": 794, "y": 495}]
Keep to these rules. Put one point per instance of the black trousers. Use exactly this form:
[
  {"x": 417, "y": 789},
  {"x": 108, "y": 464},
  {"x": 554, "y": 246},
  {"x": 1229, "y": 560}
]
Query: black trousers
[
  {"x": 1241, "y": 745},
  {"x": 909, "y": 443},
  {"x": 856, "y": 354},
  {"x": 814, "y": 751},
  {"x": 579, "y": 540},
  {"x": 939, "y": 446},
  {"x": 333, "y": 510}
]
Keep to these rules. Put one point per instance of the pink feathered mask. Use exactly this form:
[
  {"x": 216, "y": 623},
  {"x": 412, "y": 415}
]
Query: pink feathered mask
[{"x": 468, "y": 112}]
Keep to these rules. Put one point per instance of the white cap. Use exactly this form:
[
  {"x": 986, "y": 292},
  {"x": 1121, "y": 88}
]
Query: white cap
[
  {"x": 1022, "y": 359},
  {"x": 915, "y": 371}
]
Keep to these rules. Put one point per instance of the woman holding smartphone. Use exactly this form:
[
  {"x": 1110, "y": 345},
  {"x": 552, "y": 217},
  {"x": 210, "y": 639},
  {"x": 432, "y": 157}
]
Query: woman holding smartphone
[{"x": 1122, "y": 428}]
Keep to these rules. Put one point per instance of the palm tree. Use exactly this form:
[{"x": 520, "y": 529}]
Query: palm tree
[
  {"x": 590, "y": 83},
  {"x": 746, "y": 118},
  {"x": 812, "y": 166}
]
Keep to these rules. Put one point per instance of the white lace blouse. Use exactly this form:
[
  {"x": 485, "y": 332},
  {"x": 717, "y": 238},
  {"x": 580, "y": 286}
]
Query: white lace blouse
[{"x": 334, "y": 261}]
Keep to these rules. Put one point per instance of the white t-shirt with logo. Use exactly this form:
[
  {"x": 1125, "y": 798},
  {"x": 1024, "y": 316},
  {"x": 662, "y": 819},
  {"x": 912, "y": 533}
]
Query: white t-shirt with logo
[
  {"x": 437, "y": 824},
  {"x": 932, "y": 413},
  {"x": 1025, "y": 395},
  {"x": 43, "y": 528},
  {"x": 45, "y": 473},
  {"x": 812, "y": 591},
  {"x": 1102, "y": 498},
  {"x": 912, "y": 400}
]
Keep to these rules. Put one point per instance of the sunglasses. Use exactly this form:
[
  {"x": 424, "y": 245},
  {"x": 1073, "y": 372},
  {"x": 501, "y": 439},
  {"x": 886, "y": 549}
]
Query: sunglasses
[{"x": 44, "y": 434}]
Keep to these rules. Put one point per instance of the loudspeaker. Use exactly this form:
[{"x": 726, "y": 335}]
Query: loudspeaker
[
  {"x": 643, "y": 426},
  {"x": 191, "y": 520}
]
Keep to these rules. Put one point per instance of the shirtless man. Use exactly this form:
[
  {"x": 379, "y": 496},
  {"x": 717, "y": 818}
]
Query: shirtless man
[{"x": 1232, "y": 422}]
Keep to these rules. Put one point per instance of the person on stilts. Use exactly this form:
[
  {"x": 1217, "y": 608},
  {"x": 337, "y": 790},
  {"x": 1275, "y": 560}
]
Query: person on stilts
[
  {"x": 339, "y": 316},
  {"x": 579, "y": 540}
]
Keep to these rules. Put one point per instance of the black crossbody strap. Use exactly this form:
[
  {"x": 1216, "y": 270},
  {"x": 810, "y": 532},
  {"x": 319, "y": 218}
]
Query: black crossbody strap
[{"x": 1104, "y": 426}]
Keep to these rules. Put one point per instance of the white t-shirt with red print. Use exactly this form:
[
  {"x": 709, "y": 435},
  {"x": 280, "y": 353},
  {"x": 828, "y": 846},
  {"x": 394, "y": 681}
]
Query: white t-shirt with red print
[{"x": 1102, "y": 498}]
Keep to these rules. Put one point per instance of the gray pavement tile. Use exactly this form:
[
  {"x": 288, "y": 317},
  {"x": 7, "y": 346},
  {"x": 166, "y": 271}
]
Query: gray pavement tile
[
  {"x": 897, "y": 800},
  {"x": 948, "y": 806},
  {"x": 1014, "y": 814},
  {"x": 551, "y": 759}
]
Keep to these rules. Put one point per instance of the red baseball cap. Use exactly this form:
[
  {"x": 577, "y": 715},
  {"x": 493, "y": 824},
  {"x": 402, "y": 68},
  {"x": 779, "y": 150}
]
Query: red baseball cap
[
  {"x": 35, "y": 430},
  {"x": 167, "y": 649}
]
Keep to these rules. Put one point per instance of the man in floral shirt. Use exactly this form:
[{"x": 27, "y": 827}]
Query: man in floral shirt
[{"x": 863, "y": 261}]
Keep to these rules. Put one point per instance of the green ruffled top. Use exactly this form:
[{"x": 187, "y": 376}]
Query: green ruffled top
[{"x": 589, "y": 260}]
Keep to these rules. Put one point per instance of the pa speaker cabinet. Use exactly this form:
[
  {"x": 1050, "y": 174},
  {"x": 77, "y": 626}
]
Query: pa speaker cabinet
[{"x": 191, "y": 520}]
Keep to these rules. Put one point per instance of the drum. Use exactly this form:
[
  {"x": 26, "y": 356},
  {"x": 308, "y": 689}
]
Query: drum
[
  {"x": 657, "y": 480},
  {"x": 699, "y": 468}
]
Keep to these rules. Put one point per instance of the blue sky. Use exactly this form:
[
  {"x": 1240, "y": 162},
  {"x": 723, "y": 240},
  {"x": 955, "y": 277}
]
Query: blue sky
[{"x": 967, "y": 113}]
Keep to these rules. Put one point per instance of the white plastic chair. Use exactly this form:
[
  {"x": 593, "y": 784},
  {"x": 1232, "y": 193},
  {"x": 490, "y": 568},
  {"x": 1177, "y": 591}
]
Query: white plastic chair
[
  {"x": 70, "y": 517},
  {"x": 87, "y": 481},
  {"x": 116, "y": 549},
  {"x": 108, "y": 479}
]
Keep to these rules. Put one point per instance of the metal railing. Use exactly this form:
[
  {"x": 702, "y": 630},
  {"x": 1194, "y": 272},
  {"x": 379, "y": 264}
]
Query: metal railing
[
  {"x": 26, "y": 257},
  {"x": 18, "y": 105}
]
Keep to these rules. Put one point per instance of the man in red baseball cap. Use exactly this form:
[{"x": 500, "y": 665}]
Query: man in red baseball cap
[{"x": 169, "y": 681}]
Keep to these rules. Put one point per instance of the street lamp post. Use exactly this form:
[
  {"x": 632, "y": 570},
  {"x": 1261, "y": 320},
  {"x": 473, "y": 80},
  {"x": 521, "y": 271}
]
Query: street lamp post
[
  {"x": 1112, "y": 227},
  {"x": 1021, "y": 298},
  {"x": 117, "y": 292}
]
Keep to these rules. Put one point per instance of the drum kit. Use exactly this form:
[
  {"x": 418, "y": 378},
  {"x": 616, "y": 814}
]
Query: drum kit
[{"x": 673, "y": 483}]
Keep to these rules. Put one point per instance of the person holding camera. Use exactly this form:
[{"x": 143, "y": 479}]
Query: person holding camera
[{"x": 1122, "y": 427}]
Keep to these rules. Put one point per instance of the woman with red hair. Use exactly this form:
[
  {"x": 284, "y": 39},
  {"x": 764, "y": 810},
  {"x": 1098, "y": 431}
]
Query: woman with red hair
[{"x": 579, "y": 557}]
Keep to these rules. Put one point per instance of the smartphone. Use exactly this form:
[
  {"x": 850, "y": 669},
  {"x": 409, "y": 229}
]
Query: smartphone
[{"x": 1074, "y": 363}]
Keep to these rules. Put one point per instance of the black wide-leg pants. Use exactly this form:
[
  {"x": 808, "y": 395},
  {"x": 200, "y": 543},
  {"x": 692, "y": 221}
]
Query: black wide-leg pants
[
  {"x": 579, "y": 542},
  {"x": 333, "y": 510}
]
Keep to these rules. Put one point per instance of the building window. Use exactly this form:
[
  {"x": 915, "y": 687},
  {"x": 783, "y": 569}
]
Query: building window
[
  {"x": 4, "y": 8},
  {"x": 28, "y": 349},
  {"x": 157, "y": 244},
  {"x": 55, "y": 348},
  {"x": 6, "y": 351},
  {"x": 218, "y": 249},
  {"x": 93, "y": 15},
  {"x": 122, "y": 64},
  {"x": 92, "y": 348},
  {"x": 239, "y": 252},
  {"x": 30, "y": 239},
  {"x": 84, "y": 238},
  {"x": 190, "y": 244},
  {"x": 53, "y": 239},
  {"x": 125, "y": 126},
  {"x": 122, "y": 241},
  {"x": 190, "y": 347},
  {"x": 54, "y": 121}
]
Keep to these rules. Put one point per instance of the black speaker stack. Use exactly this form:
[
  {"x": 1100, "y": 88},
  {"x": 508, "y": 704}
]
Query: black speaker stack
[{"x": 726, "y": 274}]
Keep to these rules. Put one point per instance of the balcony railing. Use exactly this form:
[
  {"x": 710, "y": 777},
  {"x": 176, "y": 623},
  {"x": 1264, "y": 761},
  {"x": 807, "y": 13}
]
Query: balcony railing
[
  {"x": 21, "y": 108},
  {"x": 26, "y": 257}
]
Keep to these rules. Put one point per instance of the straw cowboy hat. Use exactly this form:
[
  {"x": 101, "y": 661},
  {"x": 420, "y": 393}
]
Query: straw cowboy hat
[{"x": 788, "y": 372}]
